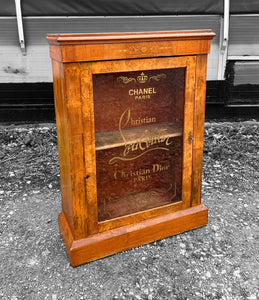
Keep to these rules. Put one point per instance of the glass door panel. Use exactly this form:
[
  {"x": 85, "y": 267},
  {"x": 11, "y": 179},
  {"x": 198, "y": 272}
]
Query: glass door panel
[{"x": 139, "y": 140}]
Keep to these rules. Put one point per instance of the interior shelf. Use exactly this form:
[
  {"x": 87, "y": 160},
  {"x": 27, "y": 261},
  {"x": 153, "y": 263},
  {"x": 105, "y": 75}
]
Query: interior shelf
[{"x": 113, "y": 138}]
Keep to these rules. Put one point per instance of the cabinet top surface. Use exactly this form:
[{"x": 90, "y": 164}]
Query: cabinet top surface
[
  {"x": 130, "y": 36},
  {"x": 128, "y": 45}
]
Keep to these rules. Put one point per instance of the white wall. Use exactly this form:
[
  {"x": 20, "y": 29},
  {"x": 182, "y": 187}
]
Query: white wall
[{"x": 35, "y": 66}]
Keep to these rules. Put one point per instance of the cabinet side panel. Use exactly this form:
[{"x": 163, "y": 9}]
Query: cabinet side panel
[
  {"x": 199, "y": 115},
  {"x": 61, "y": 121},
  {"x": 76, "y": 148}
]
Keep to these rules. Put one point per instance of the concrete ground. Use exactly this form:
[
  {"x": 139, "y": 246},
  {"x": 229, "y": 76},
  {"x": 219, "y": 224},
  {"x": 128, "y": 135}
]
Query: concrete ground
[{"x": 217, "y": 261}]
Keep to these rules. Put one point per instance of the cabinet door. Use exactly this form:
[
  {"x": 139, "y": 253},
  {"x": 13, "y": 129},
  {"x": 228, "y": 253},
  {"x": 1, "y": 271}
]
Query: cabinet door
[{"x": 143, "y": 125}]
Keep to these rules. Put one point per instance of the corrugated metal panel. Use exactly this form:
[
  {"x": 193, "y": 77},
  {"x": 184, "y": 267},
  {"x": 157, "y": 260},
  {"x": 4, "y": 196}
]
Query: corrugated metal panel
[
  {"x": 242, "y": 83},
  {"x": 36, "y": 65},
  {"x": 7, "y": 8},
  {"x": 244, "y": 35},
  {"x": 246, "y": 73},
  {"x": 126, "y": 7},
  {"x": 8, "y": 33},
  {"x": 112, "y": 7},
  {"x": 244, "y": 6}
]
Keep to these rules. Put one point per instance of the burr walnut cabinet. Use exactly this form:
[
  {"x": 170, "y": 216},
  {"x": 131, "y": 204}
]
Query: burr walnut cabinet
[{"x": 130, "y": 117}]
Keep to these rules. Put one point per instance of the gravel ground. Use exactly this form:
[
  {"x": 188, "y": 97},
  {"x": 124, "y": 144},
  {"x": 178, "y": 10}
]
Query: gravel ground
[{"x": 217, "y": 261}]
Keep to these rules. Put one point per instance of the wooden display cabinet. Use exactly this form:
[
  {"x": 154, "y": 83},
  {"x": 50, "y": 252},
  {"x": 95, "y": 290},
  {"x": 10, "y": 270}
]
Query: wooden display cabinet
[{"x": 130, "y": 118}]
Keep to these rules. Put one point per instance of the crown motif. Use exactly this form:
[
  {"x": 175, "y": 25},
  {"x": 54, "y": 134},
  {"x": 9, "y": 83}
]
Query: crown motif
[{"x": 142, "y": 78}]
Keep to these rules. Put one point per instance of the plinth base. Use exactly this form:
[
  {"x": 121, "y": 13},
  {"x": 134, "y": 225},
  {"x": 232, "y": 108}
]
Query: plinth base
[{"x": 109, "y": 242}]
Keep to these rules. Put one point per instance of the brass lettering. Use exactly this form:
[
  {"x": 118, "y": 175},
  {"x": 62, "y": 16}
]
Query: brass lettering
[
  {"x": 158, "y": 168},
  {"x": 120, "y": 174},
  {"x": 140, "y": 121},
  {"x": 144, "y": 143},
  {"x": 141, "y": 178},
  {"x": 142, "y": 92}
]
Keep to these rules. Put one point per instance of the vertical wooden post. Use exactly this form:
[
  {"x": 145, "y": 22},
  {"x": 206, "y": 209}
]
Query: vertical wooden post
[{"x": 199, "y": 116}]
